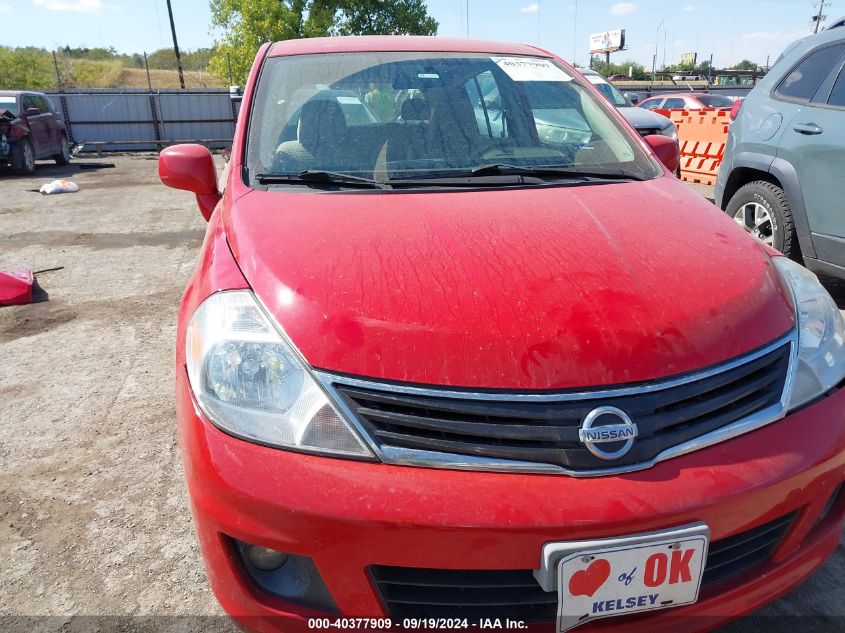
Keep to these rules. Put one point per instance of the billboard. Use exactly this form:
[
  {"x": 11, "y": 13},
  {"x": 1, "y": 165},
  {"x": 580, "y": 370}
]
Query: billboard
[{"x": 607, "y": 42}]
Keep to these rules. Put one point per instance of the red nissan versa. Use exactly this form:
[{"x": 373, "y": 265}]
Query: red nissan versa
[{"x": 439, "y": 366}]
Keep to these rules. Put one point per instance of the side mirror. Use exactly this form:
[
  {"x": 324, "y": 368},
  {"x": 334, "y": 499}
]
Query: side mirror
[
  {"x": 33, "y": 111},
  {"x": 666, "y": 149},
  {"x": 191, "y": 167},
  {"x": 633, "y": 97}
]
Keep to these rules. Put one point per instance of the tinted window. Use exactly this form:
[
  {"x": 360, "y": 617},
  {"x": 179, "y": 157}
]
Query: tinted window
[
  {"x": 674, "y": 102},
  {"x": 29, "y": 102},
  {"x": 715, "y": 101},
  {"x": 651, "y": 104},
  {"x": 803, "y": 81},
  {"x": 42, "y": 104},
  {"x": 837, "y": 95}
]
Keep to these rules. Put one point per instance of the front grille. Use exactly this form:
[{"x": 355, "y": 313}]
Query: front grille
[
  {"x": 412, "y": 592},
  {"x": 543, "y": 428}
]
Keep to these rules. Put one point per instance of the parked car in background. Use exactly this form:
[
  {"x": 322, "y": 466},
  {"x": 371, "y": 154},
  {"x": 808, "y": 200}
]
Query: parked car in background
[
  {"x": 31, "y": 129},
  {"x": 427, "y": 368},
  {"x": 643, "y": 121},
  {"x": 686, "y": 101},
  {"x": 782, "y": 173},
  {"x": 619, "y": 78},
  {"x": 635, "y": 97}
]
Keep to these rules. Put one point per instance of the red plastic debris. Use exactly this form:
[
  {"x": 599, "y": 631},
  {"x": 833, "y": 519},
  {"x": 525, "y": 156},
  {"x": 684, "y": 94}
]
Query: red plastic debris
[{"x": 15, "y": 286}]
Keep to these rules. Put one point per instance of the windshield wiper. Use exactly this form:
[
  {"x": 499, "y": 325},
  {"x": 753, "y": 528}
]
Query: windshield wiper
[
  {"x": 563, "y": 172},
  {"x": 320, "y": 176}
]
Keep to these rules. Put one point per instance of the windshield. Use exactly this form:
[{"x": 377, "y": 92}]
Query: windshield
[
  {"x": 395, "y": 115},
  {"x": 715, "y": 101},
  {"x": 609, "y": 91}
]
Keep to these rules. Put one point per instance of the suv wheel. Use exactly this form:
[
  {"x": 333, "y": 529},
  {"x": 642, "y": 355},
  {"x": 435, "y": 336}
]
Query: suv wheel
[
  {"x": 63, "y": 157},
  {"x": 761, "y": 208},
  {"x": 23, "y": 157}
]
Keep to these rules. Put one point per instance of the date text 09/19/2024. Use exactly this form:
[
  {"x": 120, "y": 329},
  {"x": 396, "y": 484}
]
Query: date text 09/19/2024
[{"x": 381, "y": 624}]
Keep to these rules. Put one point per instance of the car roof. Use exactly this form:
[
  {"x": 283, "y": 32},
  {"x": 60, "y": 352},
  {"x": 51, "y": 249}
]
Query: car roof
[
  {"x": 679, "y": 94},
  {"x": 409, "y": 43}
]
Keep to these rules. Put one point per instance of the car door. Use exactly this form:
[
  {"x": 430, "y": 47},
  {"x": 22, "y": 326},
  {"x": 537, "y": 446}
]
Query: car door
[
  {"x": 813, "y": 142},
  {"x": 52, "y": 123},
  {"x": 38, "y": 127}
]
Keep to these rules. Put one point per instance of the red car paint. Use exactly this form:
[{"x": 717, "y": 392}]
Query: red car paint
[
  {"x": 16, "y": 286},
  {"x": 595, "y": 286}
]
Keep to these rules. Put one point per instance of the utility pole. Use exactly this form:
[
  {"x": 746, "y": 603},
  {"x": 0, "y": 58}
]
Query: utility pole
[
  {"x": 58, "y": 75},
  {"x": 147, "y": 67},
  {"x": 176, "y": 46},
  {"x": 817, "y": 19},
  {"x": 656, "y": 45},
  {"x": 467, "y": 18}
]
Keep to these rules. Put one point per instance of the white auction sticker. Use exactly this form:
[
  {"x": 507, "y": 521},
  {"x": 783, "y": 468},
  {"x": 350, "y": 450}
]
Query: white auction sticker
[{"x": 531, "y": 69}]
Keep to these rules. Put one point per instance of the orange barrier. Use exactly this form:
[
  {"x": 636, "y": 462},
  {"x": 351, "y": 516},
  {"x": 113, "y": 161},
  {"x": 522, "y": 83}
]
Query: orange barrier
[{"x": 702, "y": 135}]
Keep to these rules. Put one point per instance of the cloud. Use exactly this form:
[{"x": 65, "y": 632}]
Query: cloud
[
  {"x": 689, "y": 8},
  {"x": 623, "y": 8},
  {"x": 771, "y": 36},
  {"x": 81, "y": 6},
  {"x": 531, "y": 8}
]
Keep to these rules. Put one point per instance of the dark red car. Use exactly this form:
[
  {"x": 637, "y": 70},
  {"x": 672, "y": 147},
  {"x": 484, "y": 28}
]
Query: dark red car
[
  {"x": 31, "y": 129},
  {"x": 686, "y": 101},
  {"x": 458, "y": 366}
]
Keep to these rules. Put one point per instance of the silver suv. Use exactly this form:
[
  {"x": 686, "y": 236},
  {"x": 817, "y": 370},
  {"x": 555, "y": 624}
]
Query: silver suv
[{"x": 783, "y": 172}]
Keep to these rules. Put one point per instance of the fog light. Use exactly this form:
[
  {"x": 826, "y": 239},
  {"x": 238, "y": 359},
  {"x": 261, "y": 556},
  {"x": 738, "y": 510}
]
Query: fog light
[
  {"x": 289, "y": 576},
  {"x": 265, "y": 559}
]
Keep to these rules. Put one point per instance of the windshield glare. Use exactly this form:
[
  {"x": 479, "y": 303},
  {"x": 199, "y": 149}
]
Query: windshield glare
[
  {"x": 415, "y": 115},
  {"x": 610, "y": 92}
]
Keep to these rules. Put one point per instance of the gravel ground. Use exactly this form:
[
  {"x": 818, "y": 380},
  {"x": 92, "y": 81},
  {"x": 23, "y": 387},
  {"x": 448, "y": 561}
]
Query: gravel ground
[{"x": 94, "y": 517}]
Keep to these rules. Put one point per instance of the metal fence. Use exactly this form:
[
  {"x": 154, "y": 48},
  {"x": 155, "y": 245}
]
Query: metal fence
[{"x": 119, "y": 120}]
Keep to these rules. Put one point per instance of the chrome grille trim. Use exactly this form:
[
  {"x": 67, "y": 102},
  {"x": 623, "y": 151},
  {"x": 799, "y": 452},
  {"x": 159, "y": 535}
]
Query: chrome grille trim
[{"x": 452, "y": 461}]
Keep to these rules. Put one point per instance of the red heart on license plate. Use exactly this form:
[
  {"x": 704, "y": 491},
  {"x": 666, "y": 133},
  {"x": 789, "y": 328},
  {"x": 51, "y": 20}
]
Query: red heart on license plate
[{"x": 587, "y": 581}]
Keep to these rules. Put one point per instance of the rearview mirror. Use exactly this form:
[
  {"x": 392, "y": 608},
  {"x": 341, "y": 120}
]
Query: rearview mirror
[
  {"x": 666, "y": 149},
  {"x": 191, "y": 167}
]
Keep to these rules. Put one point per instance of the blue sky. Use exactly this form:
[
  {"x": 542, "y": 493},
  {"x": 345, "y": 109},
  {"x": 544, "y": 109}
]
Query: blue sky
[{"x": 728, "y": 29}]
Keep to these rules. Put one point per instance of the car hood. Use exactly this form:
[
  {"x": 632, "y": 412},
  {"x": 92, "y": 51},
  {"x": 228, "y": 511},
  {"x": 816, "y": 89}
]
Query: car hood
[
  {"x": 535, "y": 288},
  {"x": 639, "y": 118}
]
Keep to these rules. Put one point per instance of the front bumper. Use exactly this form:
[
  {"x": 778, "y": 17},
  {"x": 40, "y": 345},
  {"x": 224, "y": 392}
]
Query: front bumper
[{"x": 348, "y": 515}]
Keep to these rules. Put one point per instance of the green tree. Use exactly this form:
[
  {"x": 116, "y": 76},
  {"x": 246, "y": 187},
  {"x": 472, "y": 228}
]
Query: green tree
[
  {"x": 26, "y": 69},
  {"x": 246, "y": 24},
  {"x": 598, "y": 64},
  {"x": 745, "y": 65}
]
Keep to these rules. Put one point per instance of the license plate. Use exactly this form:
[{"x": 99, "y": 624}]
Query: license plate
[{"x": 611, "y": 577}]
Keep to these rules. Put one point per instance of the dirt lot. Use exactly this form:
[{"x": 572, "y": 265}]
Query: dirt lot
[{"x": 94, "y": 518}]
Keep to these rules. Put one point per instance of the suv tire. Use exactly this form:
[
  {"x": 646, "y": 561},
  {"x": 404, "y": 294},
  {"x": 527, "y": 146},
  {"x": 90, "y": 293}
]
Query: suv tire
[
  {"x": 63, "y": 157},
  {"x": 762, "y": 209},
  {"x": 23, "y": 157}
]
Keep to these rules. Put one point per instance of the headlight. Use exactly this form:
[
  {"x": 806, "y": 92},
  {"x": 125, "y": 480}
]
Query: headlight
[
  {"x": 670, "y": 130},
  {"x": 249, "y": 381},
  {"x": 821, "y": 334}
]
